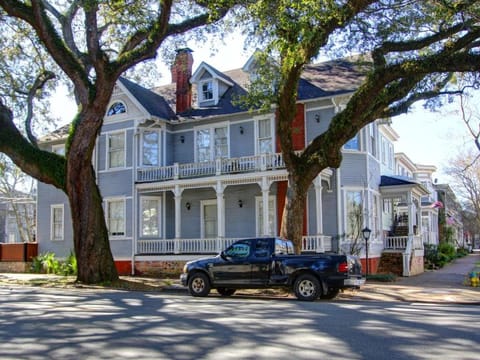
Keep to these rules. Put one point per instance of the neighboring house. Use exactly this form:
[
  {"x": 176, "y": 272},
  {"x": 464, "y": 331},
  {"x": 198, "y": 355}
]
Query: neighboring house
[
  {"x": 450, "y": 217},
  {"x": 17, "y": 219},
  {"x": 185, "y": 171}
]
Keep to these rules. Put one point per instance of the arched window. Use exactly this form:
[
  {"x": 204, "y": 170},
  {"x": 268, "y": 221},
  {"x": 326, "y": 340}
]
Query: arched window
[{"x": 117, "y": 108}]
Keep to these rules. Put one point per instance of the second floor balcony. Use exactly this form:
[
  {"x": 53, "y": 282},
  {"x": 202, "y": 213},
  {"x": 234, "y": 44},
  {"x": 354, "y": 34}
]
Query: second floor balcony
[{"x": 220, "y": 166}]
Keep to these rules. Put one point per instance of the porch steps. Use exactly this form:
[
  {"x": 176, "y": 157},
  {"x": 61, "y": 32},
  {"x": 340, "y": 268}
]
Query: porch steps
[{"x": 391, "y": 263}]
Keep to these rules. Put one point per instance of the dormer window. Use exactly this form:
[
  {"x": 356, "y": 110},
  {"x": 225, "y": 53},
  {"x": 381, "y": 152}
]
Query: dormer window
[
  {"x": 207, "y": 90},
  {"x": 117, "y": 108}
]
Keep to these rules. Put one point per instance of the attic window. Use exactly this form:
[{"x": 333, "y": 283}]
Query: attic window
[
  {"x": 207, "y": 90},
  {"x": 117, "y": 108}
]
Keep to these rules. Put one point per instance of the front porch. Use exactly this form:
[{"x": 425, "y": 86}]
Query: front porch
[{"x": 194, "y": 246}]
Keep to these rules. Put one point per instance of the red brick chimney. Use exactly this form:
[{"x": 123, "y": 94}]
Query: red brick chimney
[{"x": 181, "y": 74}]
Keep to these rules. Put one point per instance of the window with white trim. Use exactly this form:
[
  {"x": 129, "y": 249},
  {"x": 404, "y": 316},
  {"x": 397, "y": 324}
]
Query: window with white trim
[
  {"x": 264, "y": 136},
  {"x": 206, "y": 90},
  {"x": 373, "y": 140},
  {"x": 150, "y": 148},
  {"x": 115, "y": 214},
  {"x": 354, "y": 213},
  {"x": 116, "y": 150},
  {"x": 150, "y": 212},
  {"x": 211, "y": 143},
  {"x": 57, "y": 222},
  {"x": 353, "y": 143},
  {"x": 116, "y": 108}
]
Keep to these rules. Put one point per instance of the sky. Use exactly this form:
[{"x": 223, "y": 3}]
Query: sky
[{"x": 427, "y": 138}]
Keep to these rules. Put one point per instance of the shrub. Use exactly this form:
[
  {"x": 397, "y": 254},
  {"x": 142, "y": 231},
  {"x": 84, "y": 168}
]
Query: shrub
[{"x": 47, "y": 263}]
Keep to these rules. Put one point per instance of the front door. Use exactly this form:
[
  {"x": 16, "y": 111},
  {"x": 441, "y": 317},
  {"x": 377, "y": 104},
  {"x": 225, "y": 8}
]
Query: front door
[{"x": 209, "y": 219}]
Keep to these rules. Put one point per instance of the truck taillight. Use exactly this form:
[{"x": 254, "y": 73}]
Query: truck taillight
[{"x": 343, "y": 267}]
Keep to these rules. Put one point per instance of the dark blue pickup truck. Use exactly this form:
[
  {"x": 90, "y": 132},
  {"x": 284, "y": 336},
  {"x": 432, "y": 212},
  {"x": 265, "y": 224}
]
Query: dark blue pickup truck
[{"x": 270, "y": 262}]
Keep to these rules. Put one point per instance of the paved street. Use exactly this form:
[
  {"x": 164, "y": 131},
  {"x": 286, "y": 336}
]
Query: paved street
[
  {"x": 42, "y": 323},
  {"x": 429, "y": 316}
]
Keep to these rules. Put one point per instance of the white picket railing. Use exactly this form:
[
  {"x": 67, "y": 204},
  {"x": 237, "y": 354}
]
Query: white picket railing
[
  {"x": 402, "y": 242},
  {"x": 310, "y": 243},
  {"x": 210, "y": 168},
  {"x": 396, "y": 242},
  {"x": 316, "y": 243}
]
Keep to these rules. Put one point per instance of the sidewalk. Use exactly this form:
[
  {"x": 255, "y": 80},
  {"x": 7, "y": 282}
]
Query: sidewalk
[{"x": 446, "y": 285}]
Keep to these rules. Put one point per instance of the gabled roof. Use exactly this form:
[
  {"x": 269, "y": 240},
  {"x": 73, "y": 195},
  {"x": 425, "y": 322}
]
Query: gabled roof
[
  {"x": 320, "y": 80},
  {"x": 153, "y": 103},
  {"x": 333, "y": 77},
  {"x": 216, "y": 74}
]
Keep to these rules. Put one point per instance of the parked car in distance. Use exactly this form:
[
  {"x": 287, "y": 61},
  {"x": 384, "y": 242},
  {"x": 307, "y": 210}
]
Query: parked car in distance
[{"x": 270, "y": 262}]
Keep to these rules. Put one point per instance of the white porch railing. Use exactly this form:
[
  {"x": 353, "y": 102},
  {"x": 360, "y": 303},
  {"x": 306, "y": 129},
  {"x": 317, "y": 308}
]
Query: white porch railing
[
  {"x": 183, "y": 246},
  {"x": 210, "y": 168},
  {"x": 402, "y": 242},
  {"x": 310, "y": 243},
  {"x": 316, "y": 243}
]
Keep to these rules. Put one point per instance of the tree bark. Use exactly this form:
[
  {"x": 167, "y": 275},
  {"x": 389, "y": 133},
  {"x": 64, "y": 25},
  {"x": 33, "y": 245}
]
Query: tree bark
[
  {"x": 91, "y": 238},
  {"x": 92, "y": 248},
  {"x": 293, "y": 213}
]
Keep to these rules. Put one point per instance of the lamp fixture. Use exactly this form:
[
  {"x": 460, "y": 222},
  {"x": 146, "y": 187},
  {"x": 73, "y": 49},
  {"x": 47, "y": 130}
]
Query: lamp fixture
[
  {"x": 240, "y": 203},
  {"x": 182, "y": 139},
  {"x": 317, "y": 118},
  {"x": 241, "y": 130},
  {"x": 188, "y": 205},
  {"x": 366, "y": 235}
]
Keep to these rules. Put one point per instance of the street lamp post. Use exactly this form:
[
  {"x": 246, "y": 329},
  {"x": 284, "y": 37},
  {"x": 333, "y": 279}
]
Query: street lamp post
[{"x": 366, "y": 235}]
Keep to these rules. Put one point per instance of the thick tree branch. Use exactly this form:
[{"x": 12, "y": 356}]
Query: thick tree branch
[
  {"x": 39, "y": 84},
  {"x": 37, "y": 17},
  {"x": 42, "y": 165}
]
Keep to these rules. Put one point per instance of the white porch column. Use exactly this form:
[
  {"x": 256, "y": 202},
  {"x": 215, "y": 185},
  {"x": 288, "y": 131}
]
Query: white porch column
[
  {"x": 178, "y": 211},
  {"x": 266, "y": 210},
  {"x": 410, "y": 213},
  {"x": 318, "y": 204},
  {"x": 220, "y": 210}
]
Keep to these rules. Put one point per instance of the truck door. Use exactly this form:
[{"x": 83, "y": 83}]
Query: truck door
[
  {"x": 261, "y": 259},
  {"x": 235, "y": 267}
]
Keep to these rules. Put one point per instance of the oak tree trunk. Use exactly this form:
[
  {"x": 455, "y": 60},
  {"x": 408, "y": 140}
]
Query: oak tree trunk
[
  {"x": 92, "y": 248},
  {"x": 293, "y": 213},
  {"x": 90, "y": 234}
]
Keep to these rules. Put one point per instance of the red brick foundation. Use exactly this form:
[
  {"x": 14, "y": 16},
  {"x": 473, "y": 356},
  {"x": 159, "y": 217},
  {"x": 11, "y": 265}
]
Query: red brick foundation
[{"x": 167, "y": 269}]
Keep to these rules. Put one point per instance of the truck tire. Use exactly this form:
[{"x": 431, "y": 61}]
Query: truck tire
[
  {"x": 331, "y": 294},
  {"x": 225, "y": 291},
  {"x": 199, "y": 285},
  {"x": 306, "y": 287}
]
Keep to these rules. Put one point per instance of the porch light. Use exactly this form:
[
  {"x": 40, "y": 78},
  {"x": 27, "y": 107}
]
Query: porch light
[
  {"x": 182, "y": 139},
  {"x": 241, "y": 130},
  {"x": 366, "y": 235},
  {"x": 240, "y": 203},
  {"x": 188, "y": 205},
  {"x": 317, "y": 118}
]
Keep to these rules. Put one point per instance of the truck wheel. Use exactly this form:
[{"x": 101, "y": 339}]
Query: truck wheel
[
  {"x": 225, "y": 291},
  {"x": 199, "y": 285},
  {"x": 331, "y": 294},
  {"x": 306, "y": 287}
]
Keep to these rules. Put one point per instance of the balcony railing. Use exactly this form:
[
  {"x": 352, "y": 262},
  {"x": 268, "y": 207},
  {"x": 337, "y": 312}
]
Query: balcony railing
[
  {"x": 242, "y": 164},
  {"x": 310, "y": 243}
]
